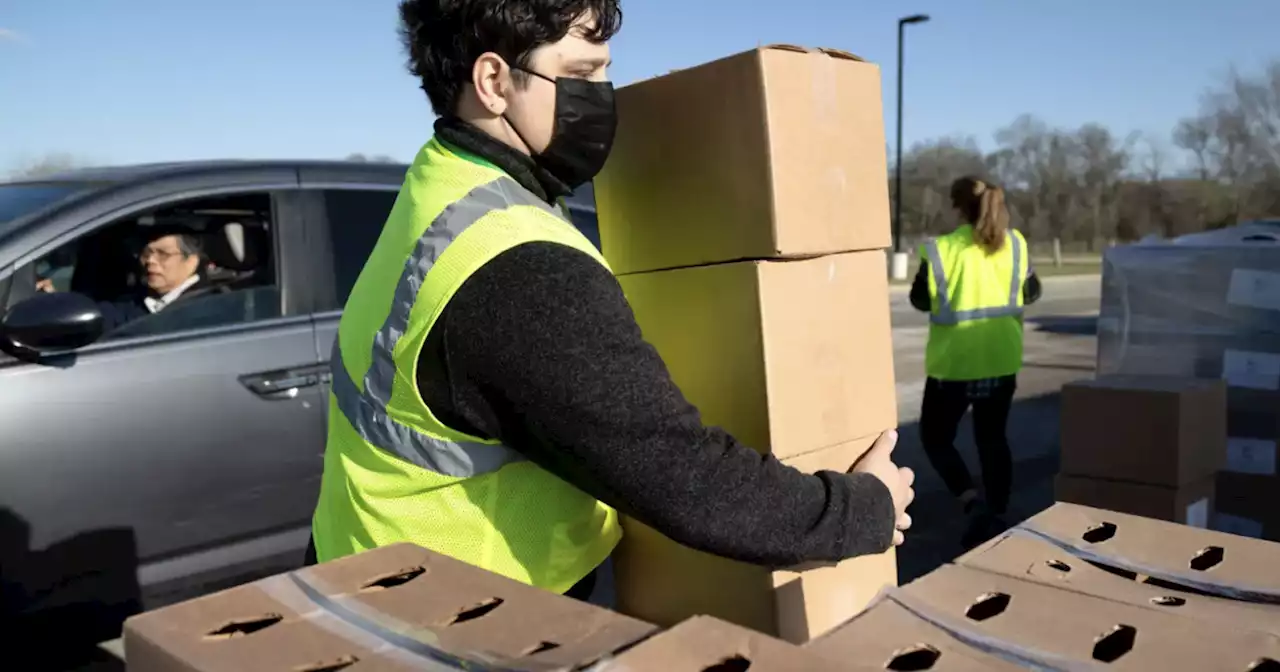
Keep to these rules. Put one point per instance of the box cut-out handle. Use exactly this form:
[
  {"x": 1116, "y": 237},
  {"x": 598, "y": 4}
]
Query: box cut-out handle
[
  {"x": 396, "y": 578},
  {"x": 244, "y": 626},
  {"x": 913, "y": 659},
  {"x": 988, "y": 606},
  {"x": 1208, "y": 558},
  {"x": 1110, "y": 646},
  {"x": 730, "y": 664},
  {"x": 478, "y": 611}
]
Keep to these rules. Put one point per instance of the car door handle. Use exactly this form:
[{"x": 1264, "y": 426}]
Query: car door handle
[{"x": 284, "y": 383}]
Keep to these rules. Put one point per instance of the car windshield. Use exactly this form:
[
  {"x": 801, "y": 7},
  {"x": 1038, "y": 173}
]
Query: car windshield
[{"x": 18, "y": 200}]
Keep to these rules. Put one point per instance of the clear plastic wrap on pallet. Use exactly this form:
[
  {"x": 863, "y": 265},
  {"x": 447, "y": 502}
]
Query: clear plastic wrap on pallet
[{"x": 1206, "y": 306}]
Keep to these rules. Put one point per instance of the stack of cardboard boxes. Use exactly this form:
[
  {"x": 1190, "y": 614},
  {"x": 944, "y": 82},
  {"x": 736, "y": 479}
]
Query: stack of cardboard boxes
[
  {"x": 1150, "y": 446},
  {"x": 1069, "y": 589},
  {"x": 1208, "y": 309},
  {"x": 745, "y": 211}
]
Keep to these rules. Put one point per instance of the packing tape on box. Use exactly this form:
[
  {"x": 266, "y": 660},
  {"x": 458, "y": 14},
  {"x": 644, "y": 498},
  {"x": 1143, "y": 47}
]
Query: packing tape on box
[
  {"x": 415, "y": 647},
  {"x": 1013, "y": 653},
  {"x": 1196, "y": 581}
]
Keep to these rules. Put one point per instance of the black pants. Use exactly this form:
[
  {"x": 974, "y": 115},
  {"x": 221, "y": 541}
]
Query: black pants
[
  {"x": 580, "y": 591},
  {"x": 945, "y": 403}
]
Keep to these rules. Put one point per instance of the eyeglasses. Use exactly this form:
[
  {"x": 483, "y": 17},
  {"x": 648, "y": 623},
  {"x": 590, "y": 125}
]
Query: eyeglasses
[{"x": 160, "y": 255}]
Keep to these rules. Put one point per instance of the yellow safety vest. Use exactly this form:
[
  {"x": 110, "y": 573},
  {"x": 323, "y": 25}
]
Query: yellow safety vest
[
  {"x": 975, "y": 325},
  {"x": 392, "y": 471}
]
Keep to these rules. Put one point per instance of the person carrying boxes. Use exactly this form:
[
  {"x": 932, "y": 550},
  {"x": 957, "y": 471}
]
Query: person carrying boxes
[
  {"x": 974, "y": 282},
  {"x": 493, "y": 398}
]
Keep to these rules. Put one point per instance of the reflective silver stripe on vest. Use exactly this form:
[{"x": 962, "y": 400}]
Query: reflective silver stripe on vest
[
  {"x": 367, "y": 410},
  {"x": 946, "y": 315}
]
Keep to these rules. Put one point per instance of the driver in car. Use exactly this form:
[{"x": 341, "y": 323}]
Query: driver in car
[{"x": 172, "y": 263}]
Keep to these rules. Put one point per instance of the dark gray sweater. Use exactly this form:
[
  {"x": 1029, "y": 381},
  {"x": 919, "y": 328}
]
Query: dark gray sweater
[{"x": 539, "y": 348}]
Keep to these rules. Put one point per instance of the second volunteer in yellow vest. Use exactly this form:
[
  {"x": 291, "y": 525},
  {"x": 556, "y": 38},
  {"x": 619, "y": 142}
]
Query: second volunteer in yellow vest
[
  {"x": 974, "y": 283},
  {"x": 493, "y": 398}
]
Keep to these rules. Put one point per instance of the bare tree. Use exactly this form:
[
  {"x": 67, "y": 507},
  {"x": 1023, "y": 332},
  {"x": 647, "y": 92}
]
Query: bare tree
[{"x": 49, "y": 164}]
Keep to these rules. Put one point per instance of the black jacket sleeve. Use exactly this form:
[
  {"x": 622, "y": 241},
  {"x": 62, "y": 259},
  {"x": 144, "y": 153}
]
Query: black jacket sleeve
[
  {"x": 542, "y": 351},
  {"x": 1031, "y": 288},
  {"x": 920, "y": 289}
]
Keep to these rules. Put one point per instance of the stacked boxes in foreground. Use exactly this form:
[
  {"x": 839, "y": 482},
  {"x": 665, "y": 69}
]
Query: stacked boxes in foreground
[
  {"x": 1149, "y": 446},
  {"x": 745, "y": 210},
  {"x": 1208, "y": 309},
  {"x": 1074, "y": 588}
]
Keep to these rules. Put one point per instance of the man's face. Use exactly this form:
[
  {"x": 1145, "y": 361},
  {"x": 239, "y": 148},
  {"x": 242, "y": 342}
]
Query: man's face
[
  {"x": 166, "y": 265},
  {"x": 532, "y": 108}
]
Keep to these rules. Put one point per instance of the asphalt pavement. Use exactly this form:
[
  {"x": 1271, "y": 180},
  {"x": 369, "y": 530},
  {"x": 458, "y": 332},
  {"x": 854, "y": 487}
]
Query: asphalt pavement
[{"x": 1059, "y": 347}]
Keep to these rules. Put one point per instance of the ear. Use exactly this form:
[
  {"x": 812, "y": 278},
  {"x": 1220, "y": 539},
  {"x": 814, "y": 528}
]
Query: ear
[{"x": 491, "y": 78}]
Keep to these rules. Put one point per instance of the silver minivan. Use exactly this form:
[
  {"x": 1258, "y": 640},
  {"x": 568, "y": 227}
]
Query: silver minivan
[{"x": 180, "y": 452}]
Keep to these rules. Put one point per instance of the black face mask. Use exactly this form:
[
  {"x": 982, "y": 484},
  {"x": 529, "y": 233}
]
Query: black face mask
[{"x": 585, "y": 121}]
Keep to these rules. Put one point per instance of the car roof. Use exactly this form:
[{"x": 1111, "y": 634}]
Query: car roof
[{"x": 146, "y": 171}]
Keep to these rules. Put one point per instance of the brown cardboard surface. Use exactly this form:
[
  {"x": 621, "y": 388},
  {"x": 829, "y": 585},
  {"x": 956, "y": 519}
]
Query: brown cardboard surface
[
  {"x": 788, "y": 356},
  {"x": 1088, "y": 629},
  {"x": 702, "y": 643},
  {"x": 1157, "y": 430},
  {"x": 1190, "y": 504},
  {"x": 889, "y": 636},
  {"x": 455, "y": 608},
  {"x": 1212, "y": 561},
  {"x": 662, "y": 582},
  {"x": 1030, "y": 558},
  {"x": 775, "y": 152}
]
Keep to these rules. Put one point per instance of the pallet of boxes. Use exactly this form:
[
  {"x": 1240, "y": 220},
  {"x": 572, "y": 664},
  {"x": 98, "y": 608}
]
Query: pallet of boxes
[
  {"x": 745, "y": 211},
  {"x": 1201, "y": 314},
  {"x": 1073, "y": 588}
]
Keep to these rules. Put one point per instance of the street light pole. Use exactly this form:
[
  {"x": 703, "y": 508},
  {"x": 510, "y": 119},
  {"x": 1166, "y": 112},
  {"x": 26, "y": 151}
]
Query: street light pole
[{"x": 899, "y": 258}]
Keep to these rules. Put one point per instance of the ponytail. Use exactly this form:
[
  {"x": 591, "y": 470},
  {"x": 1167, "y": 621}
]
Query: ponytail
[
  {"x": 993, "y": 220},
  {"x": 983, "y": 206}
]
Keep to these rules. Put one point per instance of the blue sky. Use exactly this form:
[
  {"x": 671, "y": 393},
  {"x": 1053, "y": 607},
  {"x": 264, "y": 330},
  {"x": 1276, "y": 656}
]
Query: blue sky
[{"x": 143, "y": 80}]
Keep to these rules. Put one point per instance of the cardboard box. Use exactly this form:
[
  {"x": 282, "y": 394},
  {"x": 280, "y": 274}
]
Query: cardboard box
[
  {"x": 662, "y": 582},
  {"x": 703, "y": 643},
  {"x": 1249, "y": 505},
  {"x": 1079, "y": 627},
  {"x": 1208, "y": 561},
  {"x": 1155, "y": 430},
  {"x": 1190, "y": 504},
  {"x": 1025, "y": 556},
  {"x": 775, "y": 152},
  {"x": 890, "y": 636},
  {"x": 788, "y": 356},
  {"x": 394, "y": 608},
  {"x": 1253, "y": 431}
]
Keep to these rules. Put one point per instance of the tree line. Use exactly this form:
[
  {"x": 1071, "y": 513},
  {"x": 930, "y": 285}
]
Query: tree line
[{"x": 1088, "y": 188}]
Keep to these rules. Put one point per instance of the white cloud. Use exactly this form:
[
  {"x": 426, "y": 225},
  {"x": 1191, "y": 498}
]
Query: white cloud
[{"x": 7, "y": 35}]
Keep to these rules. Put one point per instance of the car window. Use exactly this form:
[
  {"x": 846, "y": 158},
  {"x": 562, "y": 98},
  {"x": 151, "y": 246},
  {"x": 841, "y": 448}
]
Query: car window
[
  {"x": 356, "y": 218},
  {"x": 193, "y": 264}
]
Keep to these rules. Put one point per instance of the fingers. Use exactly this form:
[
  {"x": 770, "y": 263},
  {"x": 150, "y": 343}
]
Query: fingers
[
  {"x": 904, "y": 522},
  {"x": 908, "y": 476},
  {"x": 898, "y": 538},
  {"x": 884, "y": 444}
]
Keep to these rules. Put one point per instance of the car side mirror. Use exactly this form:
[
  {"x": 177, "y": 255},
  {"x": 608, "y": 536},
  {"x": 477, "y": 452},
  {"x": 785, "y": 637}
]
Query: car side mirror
[{"x": 53, "y": 323}]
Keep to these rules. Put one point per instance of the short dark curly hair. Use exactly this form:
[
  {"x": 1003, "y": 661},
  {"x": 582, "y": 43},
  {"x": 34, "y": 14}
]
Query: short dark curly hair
[{"x": 445, "y": 37}]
